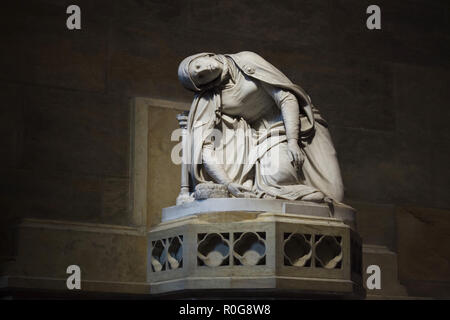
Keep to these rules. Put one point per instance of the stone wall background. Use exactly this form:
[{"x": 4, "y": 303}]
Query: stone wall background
[{"x": 66, "y": 96}]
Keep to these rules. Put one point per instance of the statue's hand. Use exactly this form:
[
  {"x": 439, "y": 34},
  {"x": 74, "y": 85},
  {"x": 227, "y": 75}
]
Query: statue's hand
[
  {"x": 296, "y": 153},
  {"x": 239, "y": 191}
]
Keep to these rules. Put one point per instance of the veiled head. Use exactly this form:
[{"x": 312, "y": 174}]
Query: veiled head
[{"x": 198, "y": 71}]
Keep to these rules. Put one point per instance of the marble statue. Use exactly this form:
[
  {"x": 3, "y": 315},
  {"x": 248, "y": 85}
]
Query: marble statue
[
  {"x": 246, "y": 110},
  {"x": 260, "y": 186}
]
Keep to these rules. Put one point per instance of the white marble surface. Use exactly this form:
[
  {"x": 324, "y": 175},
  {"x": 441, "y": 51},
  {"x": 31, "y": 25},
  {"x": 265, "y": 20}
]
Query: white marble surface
[
  {"x": 250, "y": 128},
  {"x": 342, "y": 212}
]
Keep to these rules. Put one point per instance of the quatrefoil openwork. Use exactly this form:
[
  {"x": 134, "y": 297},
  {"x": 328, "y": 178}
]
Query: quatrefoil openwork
[
  {"x": 213, "y": 250},
  {"x": 249, "y": 249},
  {"x": 297, "y": 249},
  {"x": 328, "y": 251}
]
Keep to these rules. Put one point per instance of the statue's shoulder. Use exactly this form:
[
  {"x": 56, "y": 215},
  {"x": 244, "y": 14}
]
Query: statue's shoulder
[
  {"x": 257, "y": 67},
  {"x": 248, "y": 56}
]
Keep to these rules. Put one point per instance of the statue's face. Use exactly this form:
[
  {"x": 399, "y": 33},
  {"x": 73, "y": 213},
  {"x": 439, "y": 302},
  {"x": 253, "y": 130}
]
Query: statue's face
[{"x": 205, "y": 69}]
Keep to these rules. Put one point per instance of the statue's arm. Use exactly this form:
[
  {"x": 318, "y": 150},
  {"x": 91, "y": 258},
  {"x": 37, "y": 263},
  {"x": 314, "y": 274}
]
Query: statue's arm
[
  {"x": 218, "y": 173},
  {"x": 288, "y": 104},
  {"x": 214, "y": 169}
]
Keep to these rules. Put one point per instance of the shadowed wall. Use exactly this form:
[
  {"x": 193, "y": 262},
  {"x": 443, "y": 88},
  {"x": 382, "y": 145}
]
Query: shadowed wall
[{"x": 66, "y": 97}]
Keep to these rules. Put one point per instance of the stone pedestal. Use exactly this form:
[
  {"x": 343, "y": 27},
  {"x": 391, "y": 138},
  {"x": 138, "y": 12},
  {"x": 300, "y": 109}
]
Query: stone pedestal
[{"x": 278, "y": 246}]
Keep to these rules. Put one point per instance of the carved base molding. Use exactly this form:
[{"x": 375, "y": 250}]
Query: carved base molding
[{"x": 231, "y": 251}]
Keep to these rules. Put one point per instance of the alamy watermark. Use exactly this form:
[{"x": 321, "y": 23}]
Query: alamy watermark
[
  {"x": 373, "y": 22},
  {"x": 74, "y": 280},
  {"x": 73, "y": 22},
  {"x": 373, "y": 281},
  {"x": 227, "y": 148}
]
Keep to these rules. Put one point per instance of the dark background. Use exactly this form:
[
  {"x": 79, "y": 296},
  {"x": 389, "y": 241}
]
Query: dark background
[{"x": 65, "y": 104}]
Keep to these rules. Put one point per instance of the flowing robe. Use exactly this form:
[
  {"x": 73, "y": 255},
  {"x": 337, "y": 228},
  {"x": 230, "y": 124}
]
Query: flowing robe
[{"x": 250, "y": 139}]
